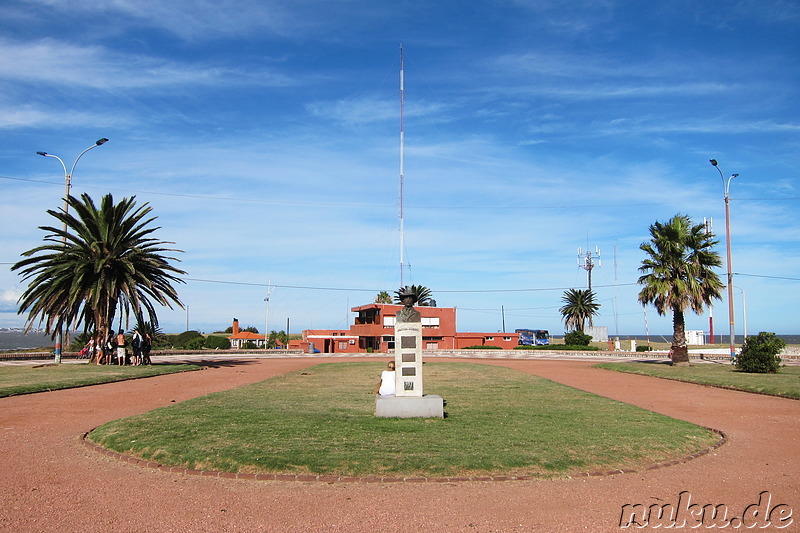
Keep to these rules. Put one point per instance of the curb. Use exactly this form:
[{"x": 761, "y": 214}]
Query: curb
[{"x": 327, "y": 478}]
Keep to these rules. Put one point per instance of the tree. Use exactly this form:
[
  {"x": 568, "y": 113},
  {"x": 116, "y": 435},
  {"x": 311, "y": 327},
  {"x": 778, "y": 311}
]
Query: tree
[
  {"x": 422, "y": 293},
  {"x": 105, "y": 259},
  {"x": 277, "y": 338},
  {"x": 760, "y": 354},
  {"x": 578, "y": 309},
  {"x": 678, "y": 274},
  {"x": 383, "y": 297}
]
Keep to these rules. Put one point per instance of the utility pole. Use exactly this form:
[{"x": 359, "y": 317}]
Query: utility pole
[
  {"x": 586, "y": 262},
  {"x": 708, "y": 222}
]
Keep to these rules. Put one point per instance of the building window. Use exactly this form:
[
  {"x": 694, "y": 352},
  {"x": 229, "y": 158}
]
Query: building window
[
  {"x": 432, "y": 346},
  {"x": 342, "y": 345},
  {"x": 430, "y": 321},
  {"x": 389, "y": 321},
  {"x": 506, "y": 338},
  {"x": 489, "y": 338}
]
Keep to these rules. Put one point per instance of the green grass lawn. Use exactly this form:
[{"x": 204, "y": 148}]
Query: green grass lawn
[
  {"x": 321, "y": 421},
  {"x": 26, "y": 379},
  {"x": 785, "y": 383}
]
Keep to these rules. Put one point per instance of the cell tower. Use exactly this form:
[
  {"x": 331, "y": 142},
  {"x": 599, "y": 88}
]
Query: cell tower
[{"x": 586, "y": 261}]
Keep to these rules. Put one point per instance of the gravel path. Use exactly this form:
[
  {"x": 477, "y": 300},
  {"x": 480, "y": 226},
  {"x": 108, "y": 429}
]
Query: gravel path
[{"x": 50, "y": 481}]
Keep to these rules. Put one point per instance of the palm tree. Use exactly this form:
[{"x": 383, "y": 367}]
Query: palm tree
[
  {"x": 578, "y": 309},
  {"x": 106, "y": 258},
  {"x": 422, "y": 293},
  {"x": 383, "y": 297},
  {"x": 678, "y": 274}
]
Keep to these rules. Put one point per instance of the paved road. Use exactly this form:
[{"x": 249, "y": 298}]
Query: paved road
[{"x": 51, "y": 482}]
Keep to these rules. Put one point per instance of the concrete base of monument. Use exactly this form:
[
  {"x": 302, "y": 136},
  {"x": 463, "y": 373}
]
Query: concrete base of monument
[{"x": 428, "y": 406}]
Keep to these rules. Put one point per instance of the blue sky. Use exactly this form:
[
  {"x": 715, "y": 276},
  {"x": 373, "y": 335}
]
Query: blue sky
[{"x": 265, "y": 136}]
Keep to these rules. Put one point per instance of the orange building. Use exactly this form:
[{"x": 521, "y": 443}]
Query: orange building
[{"x": 373, "y": 330}]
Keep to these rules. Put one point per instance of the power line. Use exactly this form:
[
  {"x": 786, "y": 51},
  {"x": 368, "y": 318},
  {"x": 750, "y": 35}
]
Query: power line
[
  {"x": 308, "y": 287},
  {"x": 768, "y": 277}
]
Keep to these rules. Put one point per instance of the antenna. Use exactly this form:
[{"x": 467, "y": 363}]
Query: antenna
[
  {"x": 586, "y": 262},
  {"x": 402, "y": 160}
]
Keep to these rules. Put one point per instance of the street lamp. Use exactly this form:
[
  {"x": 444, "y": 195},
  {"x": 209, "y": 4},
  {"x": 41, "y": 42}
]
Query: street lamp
[
  {"x": 744, "y": 310},
  {"x": 67, "y": 185},
  {"x": 727, "y": 186},
  {"x": 266, "y": 314}
]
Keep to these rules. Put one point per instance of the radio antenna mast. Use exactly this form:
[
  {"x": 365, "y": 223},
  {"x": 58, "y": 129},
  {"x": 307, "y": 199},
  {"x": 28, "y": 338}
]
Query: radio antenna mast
[
  {"x": 586, "y": 261},
  {"x": 402, "y": 161}
]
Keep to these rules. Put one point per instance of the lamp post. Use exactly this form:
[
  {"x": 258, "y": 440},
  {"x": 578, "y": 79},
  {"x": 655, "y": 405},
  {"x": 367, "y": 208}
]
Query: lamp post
[
  {"x": 744, "y": 311},
  {"x": 67, "y": 185},
  {"x": 727, "y": 186},
  {"x": 266, "y": 314}
]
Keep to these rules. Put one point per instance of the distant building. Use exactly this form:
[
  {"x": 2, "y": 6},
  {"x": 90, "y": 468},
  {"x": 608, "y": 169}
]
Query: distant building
[
  {"x": 373, "y": 330},
  {"x": 239, "y": 338}
]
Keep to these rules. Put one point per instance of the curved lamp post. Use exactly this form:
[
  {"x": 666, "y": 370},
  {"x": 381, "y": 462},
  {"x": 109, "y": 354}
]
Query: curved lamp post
[
  {"x": 727, "y": 186},
  {"x": 67, "y": 185}
]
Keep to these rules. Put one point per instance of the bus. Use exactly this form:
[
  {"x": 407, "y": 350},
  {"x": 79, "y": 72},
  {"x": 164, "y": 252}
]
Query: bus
[{"x": 531, "y": 337}]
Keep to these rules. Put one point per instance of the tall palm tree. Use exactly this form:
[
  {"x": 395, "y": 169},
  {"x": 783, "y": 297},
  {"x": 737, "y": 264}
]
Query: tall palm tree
[
  {"x": 383, "y": 297},
  {"x": 578, "y": 309},
  {"x": 105, "y": 259},
  {"x": 423, "y": 294},
  {"x": 678, "y": 274}
]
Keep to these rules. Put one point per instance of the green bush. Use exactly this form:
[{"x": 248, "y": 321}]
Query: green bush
[
  {"x": 577, "y": 338},
  {"x": 187, "y": 340},
  {"x": 644, "y": 348},
  {"x": 217, "y": 342},
  {"x": 559, "y": 347},
  {"x": 196, "y": 343},
  {"x": 760, "y": 354},
  {"x": 482, "y": 347}
]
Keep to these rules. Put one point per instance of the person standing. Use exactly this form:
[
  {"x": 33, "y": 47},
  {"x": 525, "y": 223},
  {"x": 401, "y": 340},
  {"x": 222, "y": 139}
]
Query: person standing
[
  {"x": 136, "y": 343},
  {"x": 121, "y": 348},
  {"x": 147, "y": 345}
]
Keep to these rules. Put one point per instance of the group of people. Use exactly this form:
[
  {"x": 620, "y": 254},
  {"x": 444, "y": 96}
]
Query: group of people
[{"x": 115, "y": 349}]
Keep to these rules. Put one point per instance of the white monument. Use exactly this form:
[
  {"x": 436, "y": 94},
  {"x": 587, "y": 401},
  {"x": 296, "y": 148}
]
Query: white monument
[{"x": 408, "y": 400}]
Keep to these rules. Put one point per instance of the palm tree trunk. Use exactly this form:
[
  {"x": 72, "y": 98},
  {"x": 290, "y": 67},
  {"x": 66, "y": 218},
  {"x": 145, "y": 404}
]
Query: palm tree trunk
[{"x": 680, "y": 353}]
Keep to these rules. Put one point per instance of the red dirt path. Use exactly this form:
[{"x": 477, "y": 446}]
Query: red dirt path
[{"x": 50, "y": 482}]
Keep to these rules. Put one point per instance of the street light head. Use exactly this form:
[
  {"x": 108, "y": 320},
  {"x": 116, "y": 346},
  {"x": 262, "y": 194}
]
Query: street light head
[
  {"x": 101, "y": 141},
  {"x": 41, "y": 153},
  {"x": 713, "y": 162},
  {"x": 734, "y": 175}
]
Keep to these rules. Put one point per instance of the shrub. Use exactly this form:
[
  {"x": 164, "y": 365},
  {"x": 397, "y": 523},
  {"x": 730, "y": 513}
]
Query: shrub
[
  {"x": 760, "y": 354},
  {"x": 559, "y": 347},
  {"x": 481, "y": 347},
  {"x": 217, "y": 342},
  {"x": 186, "y": 340},
  {"x": 644, "y": 348},
  {"x": 194, "y": 344},
  {"x": 577, "y": 338}
]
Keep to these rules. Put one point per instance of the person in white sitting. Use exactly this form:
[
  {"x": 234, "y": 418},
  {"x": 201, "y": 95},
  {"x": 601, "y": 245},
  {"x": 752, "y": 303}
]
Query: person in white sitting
[{"x": 386, "y": 384}]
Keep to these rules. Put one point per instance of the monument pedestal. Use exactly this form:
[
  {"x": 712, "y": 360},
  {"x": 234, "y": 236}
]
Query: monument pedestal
[{"x": 428, "y": 406}]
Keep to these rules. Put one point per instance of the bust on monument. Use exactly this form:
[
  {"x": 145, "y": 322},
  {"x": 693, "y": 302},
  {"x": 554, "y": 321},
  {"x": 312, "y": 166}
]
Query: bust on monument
[{"x": 407, "y": 313}]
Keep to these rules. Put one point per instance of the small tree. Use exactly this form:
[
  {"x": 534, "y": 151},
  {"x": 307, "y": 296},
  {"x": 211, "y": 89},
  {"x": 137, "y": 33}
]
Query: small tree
[
  {"x": 760, "y": 354},
  {"x": 383, "y": 297},
  {"x": 577, "y": 338},
  {"x": 217, "y": 342},
  {"x": 578, "y": 309},
  {"x": 423, "y": 294},
  {"x": 277, "y": 338}
]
